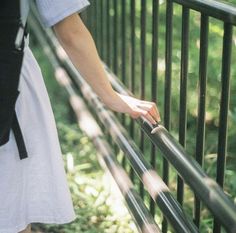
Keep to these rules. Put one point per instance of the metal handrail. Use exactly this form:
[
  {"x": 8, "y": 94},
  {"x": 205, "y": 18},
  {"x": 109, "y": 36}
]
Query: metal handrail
[{"x": 212, "y": 8}]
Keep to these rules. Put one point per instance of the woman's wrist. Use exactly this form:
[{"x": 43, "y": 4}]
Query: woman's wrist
[{"x": 115, "y": 102}]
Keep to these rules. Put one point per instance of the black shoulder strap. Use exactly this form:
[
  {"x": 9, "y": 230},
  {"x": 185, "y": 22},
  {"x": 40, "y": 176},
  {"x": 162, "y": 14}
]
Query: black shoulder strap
[{"x": 11, "y": 59}]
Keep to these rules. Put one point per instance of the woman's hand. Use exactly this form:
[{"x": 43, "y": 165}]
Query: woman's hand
[{"x": 135, "y": 108}]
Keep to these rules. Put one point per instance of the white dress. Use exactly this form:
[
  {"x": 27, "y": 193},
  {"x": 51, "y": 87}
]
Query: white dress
[{"x": 35, "y": 189}]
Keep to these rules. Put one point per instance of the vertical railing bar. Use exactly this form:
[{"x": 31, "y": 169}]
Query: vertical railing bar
[
  {"x": 95, "y": 22},
  {"x": 200, "y": 138},
  {"x": 115, "y": 50},
  {"x": 102, "y": 35},
  {"x": 143, "y": 47},
  {"x": 155, "y": 12},
  {"x": 115, "y": 68},
  {"x": 108, "y": 38},
  {"x": 123, "y": 39},
  {"x": 133, "y": 54},
  {"x": 132, "y": 58},
  {"x": 183, "y": 91},
  {"x": 104, "y": 22},
  {"x": 143, "y": 59},
  {"x": 167, "y": 97},
  {"x": 123, "y": 55},
  {"x": 88, "y": 18},
  {"x": 108, "y": 34},
  {"x": 224, "y": 106},
  {"x": 168, "y": 76},
  {"x": 101, "y": 25},
  {"x": 91, "y": 19}
]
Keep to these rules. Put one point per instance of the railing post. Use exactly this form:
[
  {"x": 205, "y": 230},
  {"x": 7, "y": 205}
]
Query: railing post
[
  {"x": 143, "y": 66},
  {"x": 224, "y": 107},
  {"x": 183, "y": 92},
  {"x": 200, "y": 139},
  {"x": 154, "y": 78}
]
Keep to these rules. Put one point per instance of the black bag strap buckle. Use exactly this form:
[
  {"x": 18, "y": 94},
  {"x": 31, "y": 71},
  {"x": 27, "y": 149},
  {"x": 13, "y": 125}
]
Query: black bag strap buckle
[{"x": 19, "y": 37}]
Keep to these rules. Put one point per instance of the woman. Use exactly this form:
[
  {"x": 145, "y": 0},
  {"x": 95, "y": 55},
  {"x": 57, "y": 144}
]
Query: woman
[{"x": 35, "y": 189}]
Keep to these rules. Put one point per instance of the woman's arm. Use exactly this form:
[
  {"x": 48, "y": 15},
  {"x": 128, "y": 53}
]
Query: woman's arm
[{"x": 80, "y": 47}]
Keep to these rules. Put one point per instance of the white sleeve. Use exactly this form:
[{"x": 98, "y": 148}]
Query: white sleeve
[{"x": 53, "y": 11}]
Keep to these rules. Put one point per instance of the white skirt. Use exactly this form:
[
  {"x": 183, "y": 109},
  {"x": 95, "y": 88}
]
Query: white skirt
[{"x": 34, "y": 189}]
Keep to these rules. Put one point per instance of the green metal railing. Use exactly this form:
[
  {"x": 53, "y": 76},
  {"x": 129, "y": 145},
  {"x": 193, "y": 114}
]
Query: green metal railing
[{"x": 114, "y": 29}]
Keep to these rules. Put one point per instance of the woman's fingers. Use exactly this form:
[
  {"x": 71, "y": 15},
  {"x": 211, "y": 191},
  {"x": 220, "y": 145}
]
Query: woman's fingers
[
  {"x": 157, "y": 113},
  {"x": 151, "y": 108},
  {"x": 145, "y": 114},
  {"x": 143, "y": 108}
]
